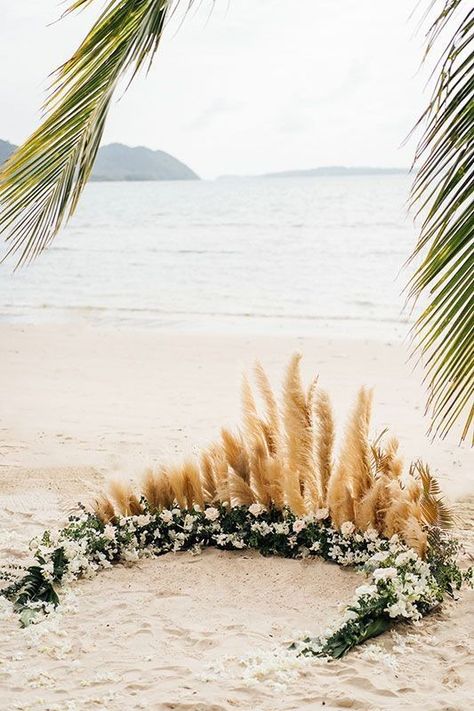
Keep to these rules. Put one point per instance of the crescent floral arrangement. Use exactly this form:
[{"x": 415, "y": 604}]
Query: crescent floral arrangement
[{"x": 275, "y": 486}]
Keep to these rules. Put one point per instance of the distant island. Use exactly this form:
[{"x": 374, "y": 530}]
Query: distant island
[
  {"x": 336, "y": 170},
  {"x": 119, "y": 162}
]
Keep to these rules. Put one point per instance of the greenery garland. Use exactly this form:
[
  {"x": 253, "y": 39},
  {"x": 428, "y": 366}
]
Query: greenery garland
[{"x": 401, "y": 586}]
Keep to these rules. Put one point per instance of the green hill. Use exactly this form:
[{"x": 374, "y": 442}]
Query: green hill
[{"x": 119, "y": 162}]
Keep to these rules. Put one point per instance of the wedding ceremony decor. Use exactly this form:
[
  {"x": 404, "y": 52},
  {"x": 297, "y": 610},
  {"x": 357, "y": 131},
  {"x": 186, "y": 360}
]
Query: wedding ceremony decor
[{"x": 275, "y": 486}]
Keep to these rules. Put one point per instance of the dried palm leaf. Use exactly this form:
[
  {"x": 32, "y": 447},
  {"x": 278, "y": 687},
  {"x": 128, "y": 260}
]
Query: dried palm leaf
[{"x": 434, "y": 509}]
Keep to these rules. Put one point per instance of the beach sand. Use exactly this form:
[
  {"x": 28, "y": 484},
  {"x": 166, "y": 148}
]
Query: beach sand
[{"x": 80, "y": 404}]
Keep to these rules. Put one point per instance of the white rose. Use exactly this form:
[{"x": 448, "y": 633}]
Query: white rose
[
  {"x": 212, "y": 514},
  {"x": 166, "y": 516},
  {"x": 298, "y": 525},
  {"x": 347, "y": 528},
  {"x": 256, "y": 509},
  {"x": 322, "y": 513},
  {"x": 143, "y": 520}
]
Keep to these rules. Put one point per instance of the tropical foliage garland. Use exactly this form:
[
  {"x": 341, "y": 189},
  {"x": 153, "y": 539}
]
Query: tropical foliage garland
[
  {"x": 401, "y": 586},
  {"x": 274, "y": 487}
]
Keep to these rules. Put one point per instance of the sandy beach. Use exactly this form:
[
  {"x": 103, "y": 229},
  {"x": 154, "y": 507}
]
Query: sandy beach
[{"x": 80, "y": 404}]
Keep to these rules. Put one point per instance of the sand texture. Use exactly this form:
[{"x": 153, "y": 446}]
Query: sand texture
[{"x": 206, "y": 632}]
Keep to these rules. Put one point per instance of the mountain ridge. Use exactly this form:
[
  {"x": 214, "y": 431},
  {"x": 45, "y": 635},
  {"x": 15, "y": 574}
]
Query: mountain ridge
[{"x": 118, "y": 162}]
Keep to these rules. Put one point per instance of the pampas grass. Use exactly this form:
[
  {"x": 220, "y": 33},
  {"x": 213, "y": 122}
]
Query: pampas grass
[
  {"x": 284, "y": 457},
  {"x": 324, "y": 442},
  {"x": 299, "y": 430}
]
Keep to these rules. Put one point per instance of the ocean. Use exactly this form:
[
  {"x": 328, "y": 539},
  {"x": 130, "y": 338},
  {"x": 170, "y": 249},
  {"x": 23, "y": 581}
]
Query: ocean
[{"x": 320, "y": 256}]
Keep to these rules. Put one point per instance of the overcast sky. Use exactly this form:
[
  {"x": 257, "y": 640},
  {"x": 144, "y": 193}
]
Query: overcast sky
[{"x": 254, "y": 86}]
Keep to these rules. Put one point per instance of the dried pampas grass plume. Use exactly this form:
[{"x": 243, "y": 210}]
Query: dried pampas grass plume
[
  {"x": 104, "y": 508},
  {"x": 299, "y": 431},
  {"x": 209, "y": 484},
  {"x": 126, "y": 500},
  {"x": 287, "y": 460},
  {"x": 272, "y": 413},
  {"x": 324, "y": 442},
  {"x": 356, "y": 448}
]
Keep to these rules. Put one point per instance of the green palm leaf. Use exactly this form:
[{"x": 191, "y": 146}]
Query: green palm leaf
[
  {"x": 443, "y": 192},
  {"x": 41, "y": 182}
]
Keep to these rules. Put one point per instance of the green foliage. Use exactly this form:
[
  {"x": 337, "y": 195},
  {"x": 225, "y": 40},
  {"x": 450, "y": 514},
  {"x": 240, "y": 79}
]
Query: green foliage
[
  {"x": 443, "y": 193},
  {"x": 402, "y": 586}
]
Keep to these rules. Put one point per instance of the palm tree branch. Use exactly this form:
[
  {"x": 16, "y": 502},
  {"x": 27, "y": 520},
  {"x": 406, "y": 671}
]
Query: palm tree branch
[
  {"x": 42, "y": 181},
  {"x": 443, "y": 194}
]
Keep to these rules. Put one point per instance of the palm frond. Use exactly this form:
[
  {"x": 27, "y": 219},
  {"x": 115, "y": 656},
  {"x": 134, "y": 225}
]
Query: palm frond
[
  {"x": 443, "y": 193},
  {"x": 433, "y": 507},
  {"x": 42, "y": 181}
]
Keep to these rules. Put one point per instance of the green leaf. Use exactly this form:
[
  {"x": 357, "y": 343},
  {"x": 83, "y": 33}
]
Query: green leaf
[
  {"x": 443, "y": 193},
  {"x": 42, "y": 181}
]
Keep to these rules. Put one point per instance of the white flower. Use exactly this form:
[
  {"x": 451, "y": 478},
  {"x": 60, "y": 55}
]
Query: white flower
[
  {"x": 322, "y": 513},
  {"x": 405, "y": 557},
  {"x": 298, "y": 525},
  {"x": 166, "y": 516},
  {"x": 316, "y": 546},
  {"x": 109, "y": 532},
  {"x": 379, "y": 557},
  {"x": 371, "y": 534},
  {"x": 349, "y": 615},
  {"x": 256, "y": 509},
  {"x": 130, "y": 555},
  {"x": 281, "y": 528},
  {"x": 398, "y": 609},
  {"x": 261, "y": 527},
  {"x": 365, "y": 590},
  {"x": 347, "y": 528},
  {"x": 188, "y": 522},
  {"x": 384, "y": 573},
  {"x": 237, "y": 542},
  {"x": 143, "y": 520},
  {"x": 212, "y": 514}
]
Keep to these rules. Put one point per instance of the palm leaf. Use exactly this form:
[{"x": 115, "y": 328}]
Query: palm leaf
[
  {"x": 41, "y": 182},
  {"x": 434, "y": 509},
  {"x": 443, "y": 193}
]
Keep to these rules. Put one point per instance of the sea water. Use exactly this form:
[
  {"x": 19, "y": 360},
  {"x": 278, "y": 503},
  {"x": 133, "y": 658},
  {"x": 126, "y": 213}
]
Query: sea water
[{"x": 311, "y": 256}]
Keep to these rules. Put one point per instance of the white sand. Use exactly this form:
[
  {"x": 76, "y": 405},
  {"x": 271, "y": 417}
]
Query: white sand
[{"x": 78, "y": 404}]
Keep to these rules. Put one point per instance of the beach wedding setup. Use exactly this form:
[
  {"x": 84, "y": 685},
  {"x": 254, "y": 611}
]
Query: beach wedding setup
[{"x": 275, "y": 486}]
